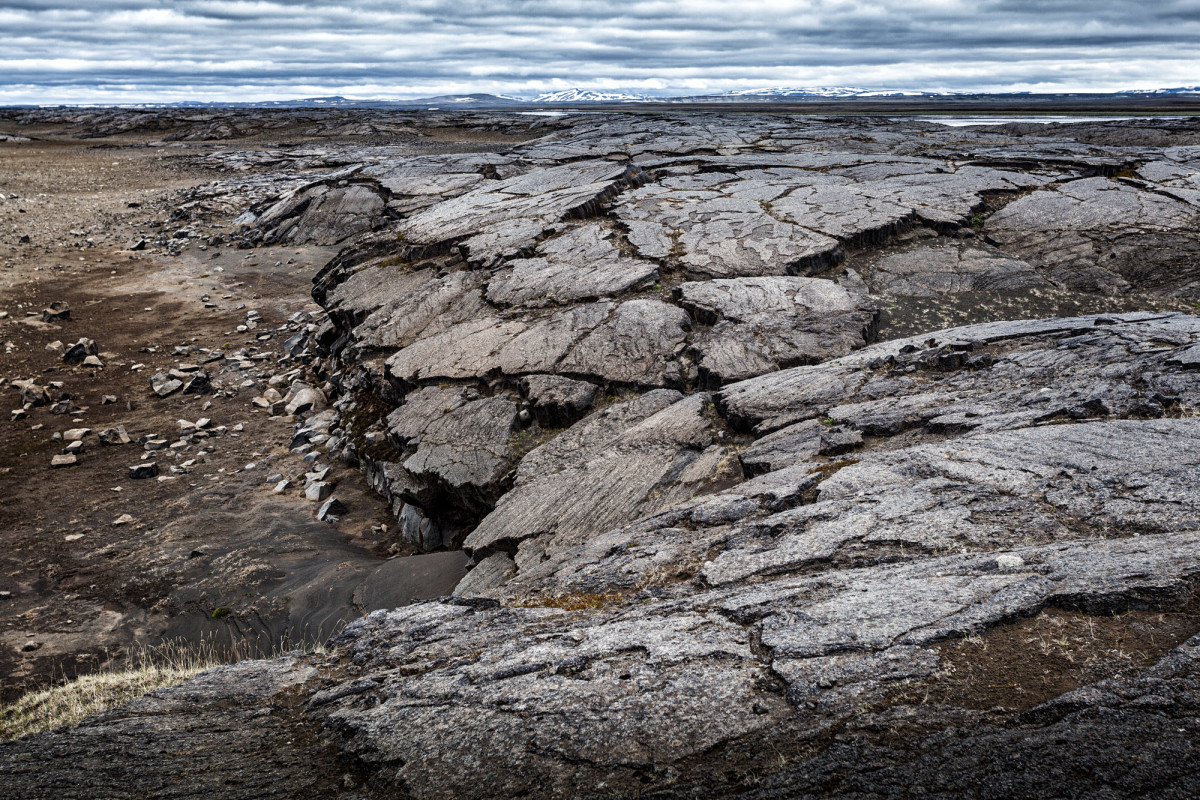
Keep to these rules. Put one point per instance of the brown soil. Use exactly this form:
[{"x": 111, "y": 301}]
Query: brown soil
[
  {"x": 80, "y": 588},
  {"x": 1022, "y": 664}
]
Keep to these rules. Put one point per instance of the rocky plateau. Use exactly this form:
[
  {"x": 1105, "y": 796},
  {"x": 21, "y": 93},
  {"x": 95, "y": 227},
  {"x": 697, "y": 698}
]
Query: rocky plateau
[{"x": 716, "y": 455}]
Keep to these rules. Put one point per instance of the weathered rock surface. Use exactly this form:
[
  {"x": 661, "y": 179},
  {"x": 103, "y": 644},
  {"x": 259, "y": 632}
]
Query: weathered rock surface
[
  {"x": 764, "y": 324},
  {"x": 722, "y": 542},
  {"x": 197, "y": 729},
  {"x": 580, "y": 264},
  {"x": 950, "y": 268},
  {"x": 461, "y": 441},
  {"x": 1102, "y": 235},
  {"x": 556, "y": 401},
  {"x": 323, "y": 214}
]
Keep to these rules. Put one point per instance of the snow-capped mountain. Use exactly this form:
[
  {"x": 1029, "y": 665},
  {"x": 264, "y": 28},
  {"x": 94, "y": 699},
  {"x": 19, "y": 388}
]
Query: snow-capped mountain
[
  {"x": 1176, "y": 90},
  {"x": 589, "y": 96},
  {"x": 829, "y": 92},
  {"x": 780, "y": 91}
]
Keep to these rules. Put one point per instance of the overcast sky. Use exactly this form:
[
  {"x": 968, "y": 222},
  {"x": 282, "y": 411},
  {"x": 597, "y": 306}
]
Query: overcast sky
[{"x": 135, "y": 50}]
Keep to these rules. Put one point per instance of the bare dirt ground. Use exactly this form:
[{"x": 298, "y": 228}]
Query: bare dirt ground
[{"x": 93, "y": 561}]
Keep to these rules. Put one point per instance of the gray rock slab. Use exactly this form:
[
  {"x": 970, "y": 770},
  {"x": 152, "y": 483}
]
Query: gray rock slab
[
  {"x": 720, "y": 237},
  {"x": 541, "y": 196},
  {"x": 636, "y": 345},
  {"x": 580, "y": 264},
  {"x": 764, "y": 324},
  {"x": 464, "y": 443},
  {"x": 700, "y": 666},
  {"x": 557, "y": 401},
  {"x": 1105, "y": 236},
  {"x": 1026, "y": 362},
  {"x": 942, "y": 269},
  {"x": 475, "y": 348},
  {"x": 632, "y": 457},
  {"x": 323, "y": 214}
]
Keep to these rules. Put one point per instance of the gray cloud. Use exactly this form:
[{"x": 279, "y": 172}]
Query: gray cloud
[{"x": 125, "y": 50}]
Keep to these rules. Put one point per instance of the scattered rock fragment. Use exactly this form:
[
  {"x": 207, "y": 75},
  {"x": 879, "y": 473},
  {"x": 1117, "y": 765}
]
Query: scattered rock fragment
[
  {"x": 144, "y": 469},
  {"x": 31, "y": 393},
  {"x": 199, "y": 383},
  {"x": 58, "y": 311},
  {"x": 163, "y": 385},
  {"x": 331, "y": 510},
  {"x": 78, "y": 352},
  {"x": 318, "y": 491},
  {"x": 114, "y": 435}
]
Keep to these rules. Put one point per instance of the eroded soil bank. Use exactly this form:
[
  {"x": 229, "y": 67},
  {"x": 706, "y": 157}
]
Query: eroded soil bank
[{"x": 96, "y": 562}]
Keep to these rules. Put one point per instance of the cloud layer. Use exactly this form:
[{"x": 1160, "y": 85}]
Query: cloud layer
[{"x": 132, "y": 50}]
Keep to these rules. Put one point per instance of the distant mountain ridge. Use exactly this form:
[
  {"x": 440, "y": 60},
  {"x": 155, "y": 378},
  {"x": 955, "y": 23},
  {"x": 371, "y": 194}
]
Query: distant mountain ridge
[
  {"x": 831, "y": 92},
  {"x": 589, "y": 96},
  {"x": 585, "y": 97},
  {"x": 1176, "y": 90}
]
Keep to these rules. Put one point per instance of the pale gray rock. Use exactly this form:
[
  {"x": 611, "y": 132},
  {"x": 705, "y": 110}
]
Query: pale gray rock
[
  {"x": 942, "y": 269},
  {"x": 533, "y": 202},
  {"x": 1106, "y": 236},
  {"x": 670, "y": 689},
  {"x": 627, "y": 460},
  {"x": 846, "y": 212},
  {"x": 580, "y": 264},
  {"x": 461, "y": 443},
  {"x": 716, "y": 236},
  {"x": 555, "y": 400},
  {"x": 1006, "y": 489},
  {"x": 487, "y": 575},
  {"x": 796, "y": 444},
  {"x": 421, "y": 306},
  {"x": 484, "y": 345},
  {"x": 636, "y": 345},
  {"x": 1037, "y": 370},
  {"x": 163, "y": 385},
  {"x": 744, "y": 299},
  {"x": 371, "y": 286},
  {"x": 323, "y": 214},
  {"x": 764, "y": 324},
  {"x": 114, "y": 436}
]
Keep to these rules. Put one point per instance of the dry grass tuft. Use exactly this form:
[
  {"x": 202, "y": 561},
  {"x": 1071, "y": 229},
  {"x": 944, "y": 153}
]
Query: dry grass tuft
[
  {"x": 573, "y": 602},
  {"x": 139, "y": 673}
]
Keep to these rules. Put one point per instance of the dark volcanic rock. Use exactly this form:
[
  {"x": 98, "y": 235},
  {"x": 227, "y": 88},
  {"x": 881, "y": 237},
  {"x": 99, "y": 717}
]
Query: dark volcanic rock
[
  {"x": 58, "y": 311},
  {"x": 79, "y": 351}
]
